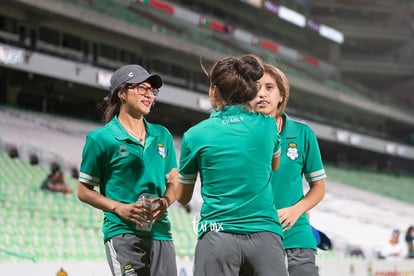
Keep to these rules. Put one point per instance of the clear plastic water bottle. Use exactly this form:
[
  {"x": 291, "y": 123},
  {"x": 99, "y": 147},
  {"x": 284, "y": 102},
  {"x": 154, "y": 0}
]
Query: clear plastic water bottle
[
  {"x": 146, "y": 199},
  {"x": 129, "y": 270}
]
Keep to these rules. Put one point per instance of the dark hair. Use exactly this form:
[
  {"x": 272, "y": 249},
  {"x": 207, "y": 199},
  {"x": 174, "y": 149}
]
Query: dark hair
[
  {"x": 408, "y": 236},
  {"x": 13, "y": 152},
  {"x": 112, "y": 105},
  {"x": 54, "y": 167},
  {"x": 33, "y": 159},
  {"x": 74, "y": 172},
  {"x": 357, "y": 252},
  {"x": 236, "y": 77}
]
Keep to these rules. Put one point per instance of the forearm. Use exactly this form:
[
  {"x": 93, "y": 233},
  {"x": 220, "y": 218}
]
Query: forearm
[
  {"x": 53, "y": 187},
  {"x": 184, "y": 193},
  {"x": 171, "y": 181},
  {"x": 312, "y": 197},
  {"x": 169, "y": 196},
  {"x": 88, "y": 195},
  {"x": 178, "y": 191},
  {"x": 275, "y": 163}
]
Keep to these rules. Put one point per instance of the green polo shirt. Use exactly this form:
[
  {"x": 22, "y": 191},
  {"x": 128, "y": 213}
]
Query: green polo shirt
[
  {"x": 123, "y": 169},
  {"x": 300, "y": 157},
  {"x": 232, "y": 151}
]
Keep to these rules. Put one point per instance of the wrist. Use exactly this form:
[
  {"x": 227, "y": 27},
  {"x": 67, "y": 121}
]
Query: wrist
[
  {"x": 113, "y": 209},
  {"x": 166, "y": 201}
]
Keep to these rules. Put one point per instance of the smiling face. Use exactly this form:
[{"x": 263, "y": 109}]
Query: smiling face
[
  {"x": 268, "y": 98},
  {"x": 137, "y": 100}
]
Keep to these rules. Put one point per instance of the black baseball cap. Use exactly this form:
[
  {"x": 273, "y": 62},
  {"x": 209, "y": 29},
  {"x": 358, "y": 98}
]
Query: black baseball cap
[{"x": 133, "y": 73}]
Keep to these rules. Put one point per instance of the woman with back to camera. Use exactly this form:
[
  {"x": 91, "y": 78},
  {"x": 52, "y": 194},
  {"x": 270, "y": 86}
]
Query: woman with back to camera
[
  {"x": 300, "y": 156},
  {"x": 234, "y": 151},
  {"x": 125, "y": 158}
]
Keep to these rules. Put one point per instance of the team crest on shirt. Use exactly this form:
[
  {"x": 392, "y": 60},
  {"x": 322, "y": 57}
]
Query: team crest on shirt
[
  {"x": 161, "y": 150},
  {"x": 123, "y": 150},
  {"x": 292, "y": 151}
]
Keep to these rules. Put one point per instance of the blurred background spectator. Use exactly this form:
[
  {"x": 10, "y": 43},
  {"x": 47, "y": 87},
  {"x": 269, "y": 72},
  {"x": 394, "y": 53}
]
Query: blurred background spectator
[
  {"x": 394, "y": 250},
  {"x": 55, "y": 181}
]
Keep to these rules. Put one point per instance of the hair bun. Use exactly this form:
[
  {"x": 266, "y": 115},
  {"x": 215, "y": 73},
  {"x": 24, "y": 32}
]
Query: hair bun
[{"x": 250, "y": 67}]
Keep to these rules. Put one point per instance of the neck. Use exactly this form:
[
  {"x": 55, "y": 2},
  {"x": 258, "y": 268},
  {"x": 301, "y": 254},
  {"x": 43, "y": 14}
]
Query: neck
[
  {"x": 134, "y": 127},
  {"x": 280, "y": 123}
]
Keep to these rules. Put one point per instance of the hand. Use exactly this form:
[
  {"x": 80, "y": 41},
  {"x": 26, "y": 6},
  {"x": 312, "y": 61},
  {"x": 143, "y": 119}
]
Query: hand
[
  {"x": 135, "y": 212},
  {"x": 162, "y": 205},
  {"x": 288, "y": 217}
]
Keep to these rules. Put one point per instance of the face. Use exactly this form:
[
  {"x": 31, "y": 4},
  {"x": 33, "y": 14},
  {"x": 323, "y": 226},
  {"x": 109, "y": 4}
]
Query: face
[
  {"x": 395, "y": 237},
  {"x": 268, "y": 97},
  {"x": 139, "y": 97}
]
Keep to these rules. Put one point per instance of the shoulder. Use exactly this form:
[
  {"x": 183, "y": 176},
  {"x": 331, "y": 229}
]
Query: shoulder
[
  {"x": 267, "y": 118},
  {"x": 161, "y": 133},
  {"x": 198, "y": 133},
  {"x": 267, "y": 121},
  {"x": 200, "y": 126},
  {"x": 260, "y": 118},
  {"x": 301, "y": 126},
  {"x": 299, "y": 123},
  {"x": 158, "y": 127},
  {"x": 102, "y": 137},
  {"x": 100, "y": 131},
  {"x": 162, "y": 130}
]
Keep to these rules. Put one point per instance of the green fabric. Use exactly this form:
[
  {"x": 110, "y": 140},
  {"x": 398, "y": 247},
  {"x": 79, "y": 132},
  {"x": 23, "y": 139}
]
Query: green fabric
[
  {"x": 300, "y": 157},
  {"x": 123, "y": 169},
  {"x": 232, "y": 152}
]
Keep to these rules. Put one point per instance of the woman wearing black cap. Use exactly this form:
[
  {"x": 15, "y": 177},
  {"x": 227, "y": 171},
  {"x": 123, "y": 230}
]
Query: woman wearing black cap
[{"x": 126, "y": 158}]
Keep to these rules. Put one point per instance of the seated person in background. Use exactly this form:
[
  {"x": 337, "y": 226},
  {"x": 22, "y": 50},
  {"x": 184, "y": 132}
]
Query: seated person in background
[
  {"x": 394, "y": 250},
  {"x": 55, "y": 181}
]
